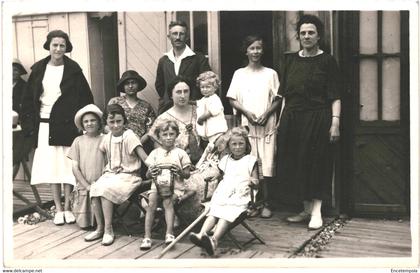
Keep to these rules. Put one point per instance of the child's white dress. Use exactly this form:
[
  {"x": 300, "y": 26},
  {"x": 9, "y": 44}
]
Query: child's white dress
[
  {"x": 177, "y": 157},
  {"x": 232, "y": 195},
  {"x": 214, "y": 125},
  {"x": 122, "y": 172},
  {"x": 85, "y": 150}
]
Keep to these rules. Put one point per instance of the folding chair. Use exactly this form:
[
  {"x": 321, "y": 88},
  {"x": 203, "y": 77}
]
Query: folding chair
[
  {"x": 22, "y": 146},
  {"x": 241, "y": 220},
  {"x": 134, "y": 200}
]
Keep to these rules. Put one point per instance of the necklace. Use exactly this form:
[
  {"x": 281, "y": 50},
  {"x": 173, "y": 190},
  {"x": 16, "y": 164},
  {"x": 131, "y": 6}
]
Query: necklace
[{"x": 119, "y": 168}]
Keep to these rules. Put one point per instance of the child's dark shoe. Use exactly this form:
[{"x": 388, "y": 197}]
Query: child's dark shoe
[
  {"x": 208, "y": 244},
  {"x": 195, "y": 239}
]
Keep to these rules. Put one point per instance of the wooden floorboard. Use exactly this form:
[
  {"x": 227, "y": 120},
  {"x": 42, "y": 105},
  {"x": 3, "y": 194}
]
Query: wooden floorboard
[
  {"x": 370, "y": 238},
  {"x": 355, "y": 239}
]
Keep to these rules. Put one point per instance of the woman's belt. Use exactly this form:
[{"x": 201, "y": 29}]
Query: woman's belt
[{"x": 46, "y": 120}]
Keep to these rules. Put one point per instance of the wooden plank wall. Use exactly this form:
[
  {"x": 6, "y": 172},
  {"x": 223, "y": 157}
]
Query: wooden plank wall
[{"x": 142, "y": 41}]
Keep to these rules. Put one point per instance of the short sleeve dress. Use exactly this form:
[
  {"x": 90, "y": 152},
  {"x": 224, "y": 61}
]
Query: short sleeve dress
[
  {"x": 232, "y": 195},
  {"x": 309, "y": 86},
  {"x": 255, "y": 91},
  {"x": 177, "y": 157},
  {"x": 121, "y": 176},
  {"x": 85, "y": 150},
  {"x": 140, "y": 117}
]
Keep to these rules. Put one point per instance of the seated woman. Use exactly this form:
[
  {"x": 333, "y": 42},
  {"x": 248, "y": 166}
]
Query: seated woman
[
  {"x": 184, "y": 115},
  {"x": 240, "y": 173}
]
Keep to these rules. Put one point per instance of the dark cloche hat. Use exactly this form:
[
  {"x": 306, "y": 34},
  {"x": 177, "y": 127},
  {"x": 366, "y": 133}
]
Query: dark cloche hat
[
  {"x": 131, "y": 74},
  {"x": 19, "y": 65},
  {"x": 61, "y": 34}
]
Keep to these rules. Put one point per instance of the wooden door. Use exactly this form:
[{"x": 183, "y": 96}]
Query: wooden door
[{"x": 376, "y": 111}]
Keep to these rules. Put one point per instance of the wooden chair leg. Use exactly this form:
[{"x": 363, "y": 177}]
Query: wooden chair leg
[
  {"x": 234, "y": 240},
  {"x": 256, "y": 236}
]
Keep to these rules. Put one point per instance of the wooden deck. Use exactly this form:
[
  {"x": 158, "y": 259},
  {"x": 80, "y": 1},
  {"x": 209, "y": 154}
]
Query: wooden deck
[{"x": 358, "y": 238}]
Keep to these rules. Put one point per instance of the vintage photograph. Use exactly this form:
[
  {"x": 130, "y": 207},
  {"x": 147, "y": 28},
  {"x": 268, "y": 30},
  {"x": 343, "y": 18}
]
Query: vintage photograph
[{"x": 204, "y": 137}]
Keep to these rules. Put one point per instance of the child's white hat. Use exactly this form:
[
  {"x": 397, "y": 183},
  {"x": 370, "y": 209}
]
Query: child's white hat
[{"x": 88, "y": 108}]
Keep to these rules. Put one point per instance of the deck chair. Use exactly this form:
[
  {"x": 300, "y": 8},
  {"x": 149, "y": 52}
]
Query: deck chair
[
  {"x": 241, "y": 220},
  {"x": 134, "y": 201}
]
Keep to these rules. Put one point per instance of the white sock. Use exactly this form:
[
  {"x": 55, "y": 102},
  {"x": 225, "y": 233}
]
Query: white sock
[
  {"x": 316, "y": 209},
  {"x": 307, "y": 207}
]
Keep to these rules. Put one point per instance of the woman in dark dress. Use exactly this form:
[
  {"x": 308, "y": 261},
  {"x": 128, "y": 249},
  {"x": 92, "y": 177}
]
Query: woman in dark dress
[{"x": 310, "y": 120}]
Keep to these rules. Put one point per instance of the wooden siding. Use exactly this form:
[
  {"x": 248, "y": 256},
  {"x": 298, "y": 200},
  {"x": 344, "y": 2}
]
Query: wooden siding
[{"x": 142, "y": 41}]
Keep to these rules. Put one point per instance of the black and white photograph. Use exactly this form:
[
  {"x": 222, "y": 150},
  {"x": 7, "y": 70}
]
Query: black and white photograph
[{"x": 189, "y": 134}]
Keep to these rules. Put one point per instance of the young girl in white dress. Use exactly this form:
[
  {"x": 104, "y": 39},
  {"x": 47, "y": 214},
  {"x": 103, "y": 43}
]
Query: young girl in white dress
[
  {"x": 87, "y": 162},
  {"x": 168, "y": 166},
  {"x": 253, "y": 92},
  {"x": 211, "y": 122},
  {"x": 121, "y": 177},
  {"x": 232, "y": 195}
]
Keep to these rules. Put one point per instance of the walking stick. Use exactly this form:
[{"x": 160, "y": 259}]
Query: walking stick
[{"x": 185, "y": 231}]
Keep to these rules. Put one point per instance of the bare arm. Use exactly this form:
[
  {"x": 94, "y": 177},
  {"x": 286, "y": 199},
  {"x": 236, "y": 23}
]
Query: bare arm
[
  {"x": 262, "y": 120},
  {"x": 252, "y": 118},
  {"x": 141, "y": 153},
  {"x": 335, "y": 123},
  {"x": 78, "y": 174}
]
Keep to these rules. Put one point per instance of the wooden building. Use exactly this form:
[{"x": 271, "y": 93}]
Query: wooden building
[{"x": 372, "y": 174}]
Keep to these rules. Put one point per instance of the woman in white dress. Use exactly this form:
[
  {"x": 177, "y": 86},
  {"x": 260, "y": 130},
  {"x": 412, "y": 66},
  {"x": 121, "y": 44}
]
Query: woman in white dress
[
  {"x": 253, "y": 92},
  {"x": 57, "y": 89}
]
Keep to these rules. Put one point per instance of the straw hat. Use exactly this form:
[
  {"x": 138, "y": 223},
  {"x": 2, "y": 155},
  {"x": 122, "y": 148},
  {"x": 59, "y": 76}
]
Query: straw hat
[
  {"x": 131, "y": 74},
  {"x": 90, "y": 108}
]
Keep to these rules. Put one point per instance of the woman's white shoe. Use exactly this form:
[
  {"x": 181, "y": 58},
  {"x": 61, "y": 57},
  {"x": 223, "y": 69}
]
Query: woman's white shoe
[{"x": 316, "y": 222}]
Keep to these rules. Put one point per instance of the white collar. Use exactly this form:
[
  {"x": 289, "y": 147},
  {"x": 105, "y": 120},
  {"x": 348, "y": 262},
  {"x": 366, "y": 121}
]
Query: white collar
[
  {"x": 319, "y": 52},
  {"x": 187, "y": 52}
]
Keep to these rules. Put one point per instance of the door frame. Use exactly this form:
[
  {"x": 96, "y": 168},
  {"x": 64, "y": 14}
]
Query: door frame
[{"x": 348, "y": 50}]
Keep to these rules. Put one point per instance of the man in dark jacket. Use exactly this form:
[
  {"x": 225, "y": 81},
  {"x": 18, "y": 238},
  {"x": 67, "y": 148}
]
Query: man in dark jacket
[{"x": 179, "y": 60}]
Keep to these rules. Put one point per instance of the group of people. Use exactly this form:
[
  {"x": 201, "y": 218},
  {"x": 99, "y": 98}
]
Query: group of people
[{"x": 187, "y": 149}]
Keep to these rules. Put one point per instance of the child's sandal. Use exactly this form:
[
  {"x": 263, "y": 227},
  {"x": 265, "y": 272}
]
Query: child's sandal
[
  {"x": 146, "y": 244},
  {"x": 169, "y": 238}
]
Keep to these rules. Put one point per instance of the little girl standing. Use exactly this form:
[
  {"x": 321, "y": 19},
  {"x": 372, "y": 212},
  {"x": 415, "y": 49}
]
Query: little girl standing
[
  {"x": 121, "y": 177},
  {"x": 168, "y": 166},
  {"x": 211, "y": 122},
  {"x": 232, "y": 195},
  {"x": 87, "y": 161}
]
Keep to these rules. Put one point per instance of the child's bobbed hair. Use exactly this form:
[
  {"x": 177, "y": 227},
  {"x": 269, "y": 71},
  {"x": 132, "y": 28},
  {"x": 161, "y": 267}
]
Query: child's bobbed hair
[
  {"x": 166, "y": 125},
  {"x": 114, "y": 109},
  {"x": 210, "y": 77},
  {"x": 242, "y": 132}
]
